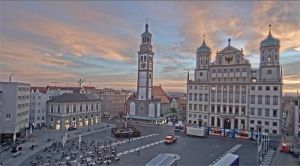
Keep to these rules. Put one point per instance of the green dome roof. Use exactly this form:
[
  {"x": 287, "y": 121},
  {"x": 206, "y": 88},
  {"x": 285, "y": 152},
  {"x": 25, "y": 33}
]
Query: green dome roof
[{"x": 203, "y": 49}]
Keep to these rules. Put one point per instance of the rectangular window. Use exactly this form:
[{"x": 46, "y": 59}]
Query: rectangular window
[
  {"x": 274, "y": 131},
  {"x": 259, "y": 99},
  {"x": 252, "y": 98},
  {"x": 190, "y": 97},
  {"x": 267, "y": 100},
  {"x": 205, "y": 108},
  {"x": 252, "y": 88},
  {"x": 259, "y": 122},
  {"x": 252, "y": 111},
  {"x": 200, "y": 97},
  {"x": 218, "y": 109},
  {"x": 195, "y": 107},
  {"x": 252, "y": 121},
  {"x": 269, "y": 72},
  {"x": 275, "y": 88},
  {"x": 195, "y": 96},
  {"x": 236, "y": 110},
  {"x": 206, "y": 97},
  {"x": 275, "y": 100},
  {"x": 243, "y": 98},
  {"x": 275, "y": 113},
  {"x": 212, "y": 121},
  {"x": 260, "y": 88},
  {"x": 267, "y": 88},
  {"x": 267, "y": 123},
  {"x": 212, "y": 109},
  {"x": 243, "y": 110},
  {"x": 195, "y": 87},
  {"x": 190, "y": 106},
  {"x": 267, "y": 112},
  {"x": 190, "y": 115},
  {"x": 259, "y": 112},
  {"x": 7, "y": 116},
  {"x": 274, "y": 123},
  {"x": 200, "y": 107}
]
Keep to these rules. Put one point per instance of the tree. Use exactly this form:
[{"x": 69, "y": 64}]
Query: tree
[{"x": 173, "y": 110}]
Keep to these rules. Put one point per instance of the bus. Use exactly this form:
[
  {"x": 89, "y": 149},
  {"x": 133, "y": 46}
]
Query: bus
[
  {"x": 164, "y": 159},
  {"x": 228, "y": 160}
]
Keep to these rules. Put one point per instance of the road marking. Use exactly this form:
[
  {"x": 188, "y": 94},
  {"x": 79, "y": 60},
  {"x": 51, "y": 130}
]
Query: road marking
[{"x": 140, "y": 148}]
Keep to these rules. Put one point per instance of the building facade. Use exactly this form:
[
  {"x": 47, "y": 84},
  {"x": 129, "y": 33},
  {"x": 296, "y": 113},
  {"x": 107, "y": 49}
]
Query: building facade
[
  {"x": 38, "y": 106},
  {"x": 113, "y": 101},
  {"x": 228, "y": 93},
  {"x": 14, "y": 105},
  {"x": 73, "y": 110}
]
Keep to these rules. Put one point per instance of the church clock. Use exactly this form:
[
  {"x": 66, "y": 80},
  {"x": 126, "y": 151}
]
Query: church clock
[{"x": 143, "y": 65}]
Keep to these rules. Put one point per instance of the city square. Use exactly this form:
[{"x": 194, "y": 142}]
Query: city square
[
  {"x": 140, "y": 150},
  {"x": 157, "y": 84}
]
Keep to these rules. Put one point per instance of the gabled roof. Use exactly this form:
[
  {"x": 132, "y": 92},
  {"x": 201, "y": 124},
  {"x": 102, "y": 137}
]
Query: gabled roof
[
  {"x": 159, "y": 93},
  {"x": 229, "y": 48},
  {"x": 74, "y": 97}
]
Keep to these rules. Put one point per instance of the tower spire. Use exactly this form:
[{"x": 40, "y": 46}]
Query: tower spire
[
  {"x": 146, "y": 26},
  {"x": 188, "y": 76},
  {"x": 270, "y": 29},
  {"x": 229, "y": 40},
  {"x": 204, "y": 39}
]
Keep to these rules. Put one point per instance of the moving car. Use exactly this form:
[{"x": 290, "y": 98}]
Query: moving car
[{"x": 170, "y": 139}]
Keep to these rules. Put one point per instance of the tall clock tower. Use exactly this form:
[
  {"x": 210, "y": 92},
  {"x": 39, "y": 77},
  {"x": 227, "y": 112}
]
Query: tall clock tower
[{"x": 145, "y": 67}]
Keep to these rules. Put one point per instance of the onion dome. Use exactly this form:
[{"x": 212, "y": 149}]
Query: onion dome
[
  {"x": 203, "y": 48},
  {"x": 270, "y": 41}
]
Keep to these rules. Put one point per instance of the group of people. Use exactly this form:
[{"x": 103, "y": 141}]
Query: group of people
[{"x": 87, "y": 152}]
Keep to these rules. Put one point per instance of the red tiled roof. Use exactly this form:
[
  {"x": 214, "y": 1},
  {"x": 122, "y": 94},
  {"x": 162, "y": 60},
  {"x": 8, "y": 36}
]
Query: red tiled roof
[
  {"x": 159, "y": 93},
  {"x": 40, "y": 89},
  {"x": 74, "y": 89}
]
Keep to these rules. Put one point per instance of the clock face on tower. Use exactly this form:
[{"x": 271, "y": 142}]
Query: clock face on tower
[{"x": 143, "y": 65}]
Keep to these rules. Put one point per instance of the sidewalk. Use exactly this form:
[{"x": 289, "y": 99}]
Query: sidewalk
[
  {"x": 55, "y": 136},
  {"x": 286, "y": 158}
]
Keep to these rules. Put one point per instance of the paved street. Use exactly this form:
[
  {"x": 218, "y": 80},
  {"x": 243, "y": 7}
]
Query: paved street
[{"x": 192, "y": 150}]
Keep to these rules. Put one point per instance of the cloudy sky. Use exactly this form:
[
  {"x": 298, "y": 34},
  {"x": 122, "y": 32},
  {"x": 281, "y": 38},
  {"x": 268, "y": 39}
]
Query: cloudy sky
[{"x": 46, "y": 42}]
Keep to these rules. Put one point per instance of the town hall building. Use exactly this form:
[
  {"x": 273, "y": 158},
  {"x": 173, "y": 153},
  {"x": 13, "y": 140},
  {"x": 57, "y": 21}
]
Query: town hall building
[{"x": 228, "y": 93}]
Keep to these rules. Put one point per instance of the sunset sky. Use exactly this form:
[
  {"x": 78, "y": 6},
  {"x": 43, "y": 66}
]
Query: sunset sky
[{"x": 44, "y": 42}]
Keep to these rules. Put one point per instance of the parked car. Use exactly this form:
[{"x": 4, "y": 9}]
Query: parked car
[
  {"x": 71, "y": 128},
  {"x": 16, "y": 148}
]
